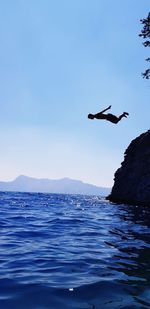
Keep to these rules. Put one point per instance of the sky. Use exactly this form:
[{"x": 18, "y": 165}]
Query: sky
[{"x": 59, "y": 61}]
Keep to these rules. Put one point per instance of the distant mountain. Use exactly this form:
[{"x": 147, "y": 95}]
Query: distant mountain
[{"x": 65, "y": 185}]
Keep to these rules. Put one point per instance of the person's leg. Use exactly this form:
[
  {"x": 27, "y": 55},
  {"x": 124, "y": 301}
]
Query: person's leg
[
  {"x": 112, "y": 118},
  {"x": 122, "y": 115}
]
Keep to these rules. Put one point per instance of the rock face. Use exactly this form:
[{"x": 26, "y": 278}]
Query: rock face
[{"x": 132, "y": 179}]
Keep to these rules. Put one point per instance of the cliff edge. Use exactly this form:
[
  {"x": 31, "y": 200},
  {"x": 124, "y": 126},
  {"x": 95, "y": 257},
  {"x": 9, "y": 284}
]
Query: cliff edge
[{"x": 132, "y": 179}]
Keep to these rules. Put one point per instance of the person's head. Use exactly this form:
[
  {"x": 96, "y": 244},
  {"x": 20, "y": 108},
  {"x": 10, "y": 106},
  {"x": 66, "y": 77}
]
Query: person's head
[{"x": 90, "y": 116}]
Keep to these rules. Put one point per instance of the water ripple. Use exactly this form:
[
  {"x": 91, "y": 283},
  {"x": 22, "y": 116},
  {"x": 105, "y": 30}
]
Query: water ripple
[{"x": 65, "y": 251}]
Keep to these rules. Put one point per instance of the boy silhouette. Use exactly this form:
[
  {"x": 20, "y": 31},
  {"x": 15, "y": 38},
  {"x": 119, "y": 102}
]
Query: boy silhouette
[{"x": 109, "y": 117}]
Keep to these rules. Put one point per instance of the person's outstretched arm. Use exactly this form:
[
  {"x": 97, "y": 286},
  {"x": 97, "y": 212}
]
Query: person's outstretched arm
[{"x": 106, "y": 109}]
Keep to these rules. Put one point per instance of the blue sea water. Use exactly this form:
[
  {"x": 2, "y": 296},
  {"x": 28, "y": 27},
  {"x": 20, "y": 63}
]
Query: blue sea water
[{"x": 72, "y": 252}]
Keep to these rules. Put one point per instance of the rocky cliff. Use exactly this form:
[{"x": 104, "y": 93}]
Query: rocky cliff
[{"x": 132, "y": 179}]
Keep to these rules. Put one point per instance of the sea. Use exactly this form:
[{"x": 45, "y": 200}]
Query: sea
[{"x": 73, "y": 252}]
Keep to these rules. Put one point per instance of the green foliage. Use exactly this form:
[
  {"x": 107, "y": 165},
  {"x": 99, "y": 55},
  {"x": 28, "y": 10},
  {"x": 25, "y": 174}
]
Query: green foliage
[{"x": 145, "y": 34}]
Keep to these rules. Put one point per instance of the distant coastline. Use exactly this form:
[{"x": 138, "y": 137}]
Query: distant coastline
[{"x": 65, "y": 186}]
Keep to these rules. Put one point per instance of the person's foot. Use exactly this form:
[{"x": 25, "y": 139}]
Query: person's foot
[{"x": 125, "y": 114}]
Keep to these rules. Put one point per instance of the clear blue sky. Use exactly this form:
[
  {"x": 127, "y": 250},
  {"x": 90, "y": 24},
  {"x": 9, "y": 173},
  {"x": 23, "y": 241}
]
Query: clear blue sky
[{"x": 59, "y": 61}]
